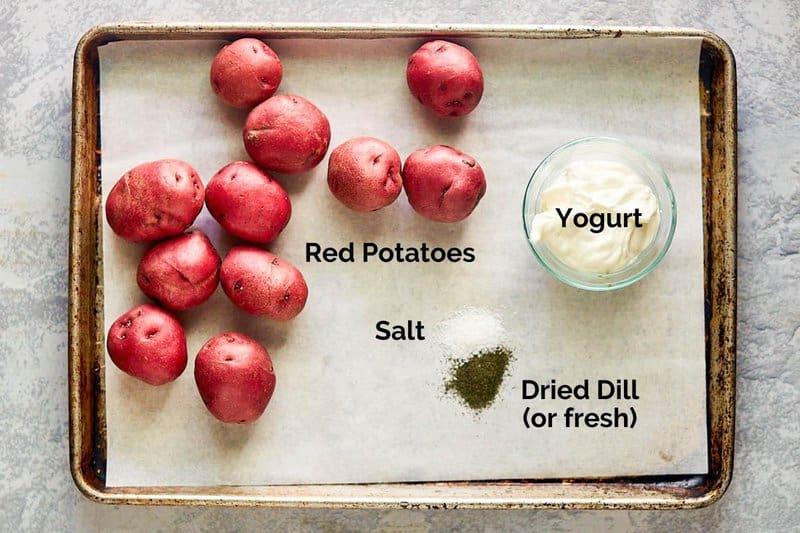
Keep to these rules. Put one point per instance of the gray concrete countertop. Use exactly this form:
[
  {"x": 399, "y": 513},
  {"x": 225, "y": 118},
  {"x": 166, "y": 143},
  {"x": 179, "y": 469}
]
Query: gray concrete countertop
[{"x": 38, "y": 40}]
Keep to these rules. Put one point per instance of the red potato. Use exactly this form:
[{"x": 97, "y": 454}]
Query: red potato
[
  {"x": 287, "y": 133},
  {"x": 234, "y": 377},
  {"x": 446, "y": 78},
  {"x": 248, "y": 203},
  {"x": 181, "y": 272},
  {"x": 155, "y": 200},
  {"x": 364, "y": 174},
  {"x": 442, "y": 183},
  {"x": 260, "y": 283},
  {"x": 149, "y": 344},
  {"x": 245, "y": 73}
]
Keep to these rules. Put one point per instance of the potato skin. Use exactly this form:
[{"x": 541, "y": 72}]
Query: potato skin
[
  {"x": 181, "y": 272},
  {"x": 259, "y": 282},
  {"x": 446, "y": 78},
  {"x": 235, "y": 378},
  {"x": 364, "y": 174},
  {"x": 442, "y": 183},
  {"x": 248, "y": 202},
  {"x": 245, "y": 73},
  {"x": 286, "y": 133},
  {"x": 149, "y": 344},
  {"x": 155, "y": 200}
]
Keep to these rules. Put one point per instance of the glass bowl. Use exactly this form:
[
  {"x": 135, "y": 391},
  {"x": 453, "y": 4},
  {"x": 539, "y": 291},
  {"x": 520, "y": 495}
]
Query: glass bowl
[{"x": 604, "y": 149}]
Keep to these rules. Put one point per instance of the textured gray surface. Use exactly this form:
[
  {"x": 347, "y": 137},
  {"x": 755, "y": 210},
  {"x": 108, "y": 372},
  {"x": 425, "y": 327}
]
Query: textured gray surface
[{"x": 38, "y": 38}]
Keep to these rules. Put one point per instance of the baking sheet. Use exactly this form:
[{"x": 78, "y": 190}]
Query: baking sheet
[{"x": 349, "y": 408}]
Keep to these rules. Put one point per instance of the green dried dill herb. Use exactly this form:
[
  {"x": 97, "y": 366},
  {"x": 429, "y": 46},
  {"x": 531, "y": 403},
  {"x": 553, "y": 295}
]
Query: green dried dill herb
[{"x": 477, "y": 380}]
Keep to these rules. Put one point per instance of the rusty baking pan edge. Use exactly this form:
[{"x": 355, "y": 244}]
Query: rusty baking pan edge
[{"x": 717, "y": 86}]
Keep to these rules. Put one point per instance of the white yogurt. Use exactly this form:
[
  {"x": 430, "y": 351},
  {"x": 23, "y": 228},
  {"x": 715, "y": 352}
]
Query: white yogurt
[{"x": 596, "y": 216}]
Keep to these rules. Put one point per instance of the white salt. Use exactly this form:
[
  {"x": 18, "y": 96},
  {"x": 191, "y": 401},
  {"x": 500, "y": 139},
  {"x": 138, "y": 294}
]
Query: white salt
[{"x": 469, "y": 331}]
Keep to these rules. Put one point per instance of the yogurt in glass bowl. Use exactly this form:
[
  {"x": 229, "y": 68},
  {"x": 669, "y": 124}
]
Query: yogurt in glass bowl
[{"x": 599, "y": 214}]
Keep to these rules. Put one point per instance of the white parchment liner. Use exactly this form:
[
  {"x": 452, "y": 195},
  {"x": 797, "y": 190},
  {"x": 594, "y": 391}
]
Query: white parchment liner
[{"x": 350, "y": 408}]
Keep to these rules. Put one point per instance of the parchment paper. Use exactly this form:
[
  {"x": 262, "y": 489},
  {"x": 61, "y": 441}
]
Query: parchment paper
[{"x": 350, "y": 408}]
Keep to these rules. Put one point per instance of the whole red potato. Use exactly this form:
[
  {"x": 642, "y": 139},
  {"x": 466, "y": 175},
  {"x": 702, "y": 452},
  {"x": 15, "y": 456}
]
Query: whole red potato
[
  {"x": 248, "y": 202},
  {"x": 364, "y": 174},
  {"x": 181, "y": 272},
  {"x": 287, "y": 133},
  {"x": 446, "y": 78},
  {"x": 155, "y": 200},
  {"x": 245, "y": 73},
  {"x": 442, "y": 183},
  {"x": 149, "y": 344},
  {"x": 234, "y": 377},
  {"x": 261, "y": 283}
]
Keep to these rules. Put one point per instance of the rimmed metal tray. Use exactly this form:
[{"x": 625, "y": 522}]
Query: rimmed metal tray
[{"x": 717, "y": 87}]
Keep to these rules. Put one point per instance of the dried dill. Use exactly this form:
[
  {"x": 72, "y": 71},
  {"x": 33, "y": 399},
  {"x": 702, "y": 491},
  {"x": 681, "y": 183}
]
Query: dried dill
[{"x": 477, "y": 380}]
